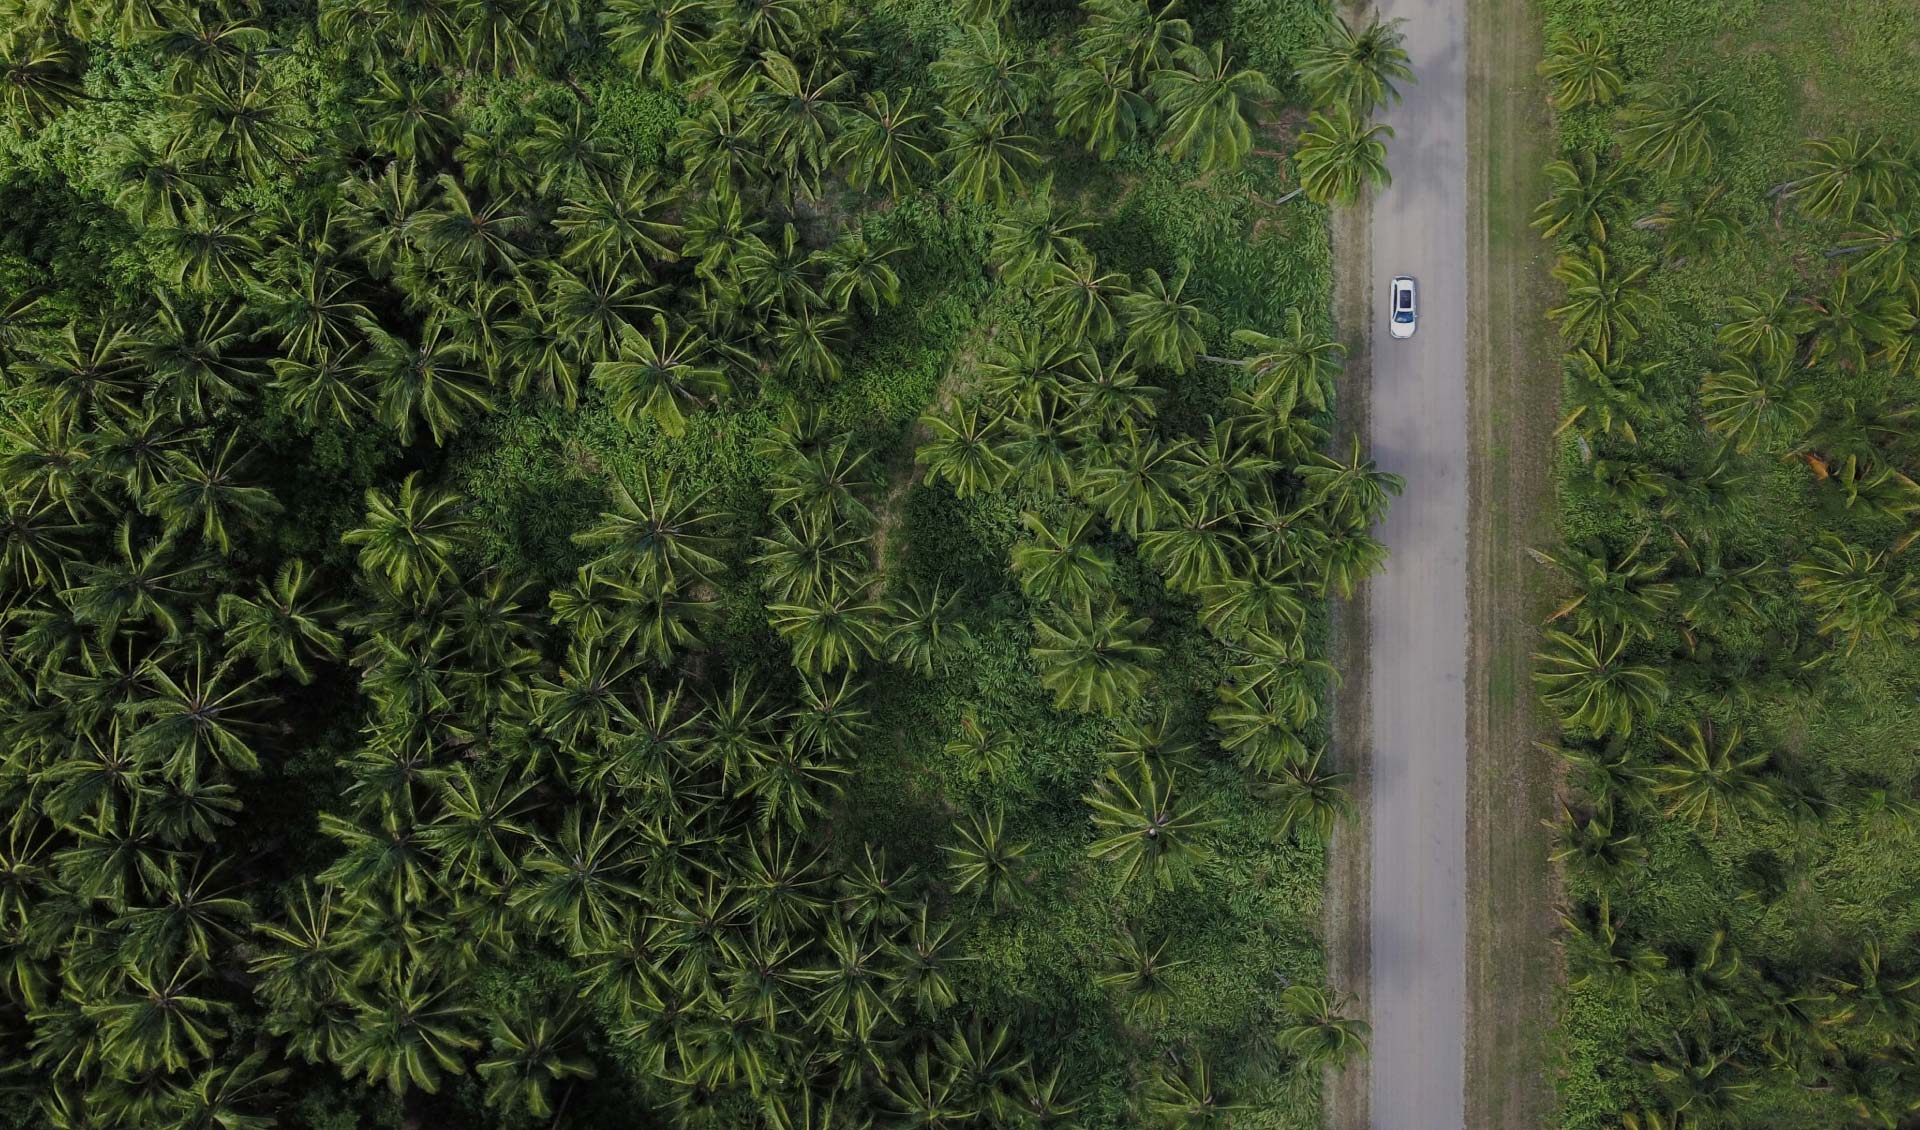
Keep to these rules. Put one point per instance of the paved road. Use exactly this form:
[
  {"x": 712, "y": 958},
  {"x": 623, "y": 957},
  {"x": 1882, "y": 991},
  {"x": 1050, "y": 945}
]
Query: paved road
[{"x": 1418, "y": 650}]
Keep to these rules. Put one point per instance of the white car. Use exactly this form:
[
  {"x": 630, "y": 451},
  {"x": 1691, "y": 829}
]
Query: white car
[{"x": 1403, "y": 306}]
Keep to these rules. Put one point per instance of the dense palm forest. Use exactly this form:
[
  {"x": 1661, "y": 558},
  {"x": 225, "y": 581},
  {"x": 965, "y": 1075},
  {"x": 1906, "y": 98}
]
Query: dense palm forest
[
  {"x": 709, "y": 563},
  {"x": 1734, "y": 668}
]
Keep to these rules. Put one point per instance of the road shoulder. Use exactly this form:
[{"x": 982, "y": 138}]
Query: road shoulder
[
  {"x": 1513, "y": 374},
  {"x": 1348, "y": 918}
]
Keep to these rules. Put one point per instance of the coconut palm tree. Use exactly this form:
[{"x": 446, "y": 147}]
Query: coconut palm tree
[
  {"x": 1625, "y": 596},
  {"x": 1593, "y": 686},
  {"x": 1136, "y": 35},
  {"x": 1766, "y": 327},
  {"x": 1357, "y": 69},
  {"x": 1855, "y": 593},
  {"x": 1317, "y": 1034},
  {"x": 961, "y": 450},
  {"x": 1581, "y": 193},
  {"x": 1164, "y": 329},
  {"x": 655, "y": 535},
  {"x": 885, "y": 144},
  {"x": 1353, "y": 491},
  {"x": 1341, "y": 154},
  {"x": 1711, "y": 779},
  {"x": 1094, "y": 661},
  {"x": 1297, "y": 368},
  {"x": 665, "y": 40},
  {"x": 1182, "y": 1092},
  {"x": 1603, "y": 954},
  {"x": 1604, "y": 309},
  {"x": 986, "y": 78},
  {"x": 286, "y": 626},
  {"x": 1759, "y": 407},
  {"x": 1138, "y": 972},
  {"x": 986, "y": 863},
  {"x": 530, "y": 1049},
  {"x": 1669, "y": 129},
  {"x": 1059, "y": 563},
  {"x": 40, "y": 75},
  {"x": 1141, "y": 824},
  {"x": 1582, "y": 69},
  {"x": 1098, "y": 104},
  {"x": 990, "y": 161},
  {"x": 1209, "y": 108},
  {"x": 411, "y": 538},
  {"x": 656, "y": 376},
  {"x": 1312, "y": 799},
  {"x": 1841, "y": 172}
]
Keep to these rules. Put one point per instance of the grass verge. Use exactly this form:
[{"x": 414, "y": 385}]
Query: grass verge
[{"x": 1513, "y": 367}]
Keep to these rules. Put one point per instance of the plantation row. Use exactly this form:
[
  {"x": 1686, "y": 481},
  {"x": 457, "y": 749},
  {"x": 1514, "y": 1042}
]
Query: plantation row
[
  {"x": 1738, "y": 507},
  {"x": 592, "y": 835}
]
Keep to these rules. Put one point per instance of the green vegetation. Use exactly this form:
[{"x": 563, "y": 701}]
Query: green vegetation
[
  {"x": 704, "y": 563},
  {"x": 1735, "y": 669}
]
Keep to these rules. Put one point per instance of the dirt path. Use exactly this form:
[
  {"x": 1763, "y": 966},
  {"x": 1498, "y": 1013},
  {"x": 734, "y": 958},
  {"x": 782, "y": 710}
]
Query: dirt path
[{"x": 1513, "y": 356}]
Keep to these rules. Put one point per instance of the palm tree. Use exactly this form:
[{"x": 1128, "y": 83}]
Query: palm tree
[
  {"x": 656, "y": 376},
  {"x": 836, "y": 631},
  {"x": 885, "y": 145},
  {"x": 1711, "y": 779},
  {"x": 1604, "y": 400},
  {"x": 1590, "y": 844},
  {"x": 205, "y": 490},
  {"x": 40, "y": 75},
  {"x": 429, "y": 382},
  {"x": 1341, "y": 155},
  {"x": 1603, "y": 954},
  {"x": 1697, "y": 229},
  {"x": 1137, "y": 971},
  {"x": 531, "y": 1049},
  {"x": 1353, "y": 491},
  {"x": 655, "y": 536},
  {"x": 1133, "y": 480},
  {"x": 1080, "y": 301},
  {"x": 1317, "y": 1034},
  {"x": 1582, "y": 69},
  {"x": 1182, "y": 1093},
  {"x": 1093, "y": 661},
  {"x": 1580, "y": 193},
  {"x": 1603, "y": 309},
  {"x": 664, "y": 40},
  {"x": 1669, "y": 129},
  {"x": 1311, "y": 799},
  {"x": 1855, "y": 593},
  {"x": 1136, "y": 35},
  {"x": 1593, "y": 687},
  {"x": 1842, "y": 172},
  {"x": 1097, "y": 104},
  {"x": 1210, "y": 108},
  {"x": 1295, "y": 369},
  {"x": 1624, "y": 596},
  {"x": 1141, "y": 825},
  {"x": 1888, "y": 243},
  {"x": 989, "y": 161},
  {"x": 1059, "y": 563},
  {"x": 1766, "y": 327},
  {"x": 1356, "y": 69},
  {"x": 960, "y": 450},
  {"x": 1164, "y": 329},
  {"x": 410, "y": 540},
  {"x": 925, "y": 626},
  {"x": 408, "y": 1033},
  {"x": 1757, "y": 408},
  {"x": 155, "y": 1021},
  {"x": 285, "y": 626},
  {"x": 986, "y": 863}
]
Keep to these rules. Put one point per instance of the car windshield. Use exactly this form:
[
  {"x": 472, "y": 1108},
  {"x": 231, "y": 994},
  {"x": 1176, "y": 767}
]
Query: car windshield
[{"x": 1403, "y": 316}]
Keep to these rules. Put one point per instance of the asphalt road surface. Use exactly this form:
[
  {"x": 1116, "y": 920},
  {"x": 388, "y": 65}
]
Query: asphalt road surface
[{"x": 1418, "y": 635}]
